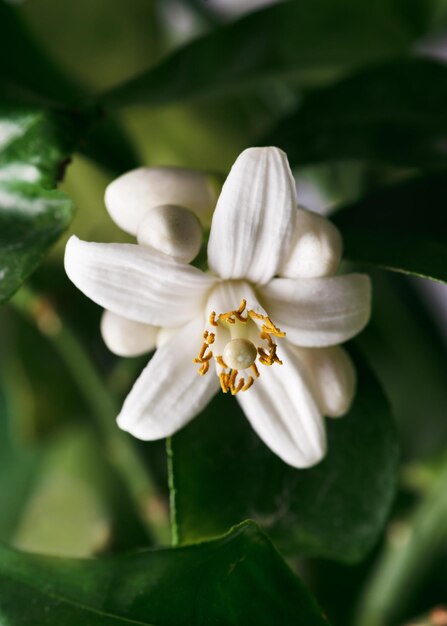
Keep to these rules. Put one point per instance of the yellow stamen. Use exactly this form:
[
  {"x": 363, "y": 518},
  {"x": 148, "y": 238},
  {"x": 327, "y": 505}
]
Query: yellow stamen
[
  {"x": 248, "y": 384},
  {"x": 255, "y": 370},
  {"x": 236, "y": 389},
  {"x": 268, "y": 326},
  {"x": 229, "y": 378},
  {"x": 223, "y": 377},
  {"x": 221, "y": 362}
]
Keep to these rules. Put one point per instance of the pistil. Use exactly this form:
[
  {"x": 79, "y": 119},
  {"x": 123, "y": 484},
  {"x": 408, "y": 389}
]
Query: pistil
[{"x": 240, "y": 353}]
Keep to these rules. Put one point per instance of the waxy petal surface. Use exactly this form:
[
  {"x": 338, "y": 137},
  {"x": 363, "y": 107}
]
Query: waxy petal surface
[
  {"x": 318, "y": 312},
  {"x": 282, "y": 410},
  {"x": 169, "y": 391},
  {"x": 254, "y": 220},
  {"x": 137, "y": 282}
]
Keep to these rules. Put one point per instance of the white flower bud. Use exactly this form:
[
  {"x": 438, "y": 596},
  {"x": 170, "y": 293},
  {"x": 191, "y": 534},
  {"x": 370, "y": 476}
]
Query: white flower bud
[
  {"x": 129, "y": 197},
  {"x": 125, "y": 337},
  {"x": 166, "y": 334},
  {"x": 333, "y": 376},
  {"x": 316, "y": 247},
  {"x": 173, "y": 230}
]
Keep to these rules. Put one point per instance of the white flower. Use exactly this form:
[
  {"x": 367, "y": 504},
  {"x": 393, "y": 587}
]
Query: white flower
[{"x": 271, "y": 302}]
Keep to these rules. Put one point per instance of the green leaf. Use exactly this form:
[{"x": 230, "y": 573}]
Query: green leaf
[
  {"x": 399, "y": 312},
  {"x": 19, "y": 462},
  {"x": 222, "y": 473},
  {"x": 24, "y": 67},
  {"x": 78, "y": 505},
  {"x": 291, "y": 40},
  {"x": 395, "y": 112},
  {"x": 236, "y": 579},
  {"x": 35, "y": 147},
  {"x": 401, "y": 227}
]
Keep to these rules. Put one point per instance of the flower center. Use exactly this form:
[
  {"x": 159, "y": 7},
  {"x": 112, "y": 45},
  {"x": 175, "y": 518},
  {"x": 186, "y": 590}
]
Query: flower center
[
  {"x": 250, "y": 337},
  {"x": 239, "y": 354}
]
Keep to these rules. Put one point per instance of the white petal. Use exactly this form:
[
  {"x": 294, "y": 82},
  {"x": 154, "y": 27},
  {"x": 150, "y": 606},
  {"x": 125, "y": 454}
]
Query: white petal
[
  {"x": 282, "y": 410},
  {"x": 169, "y": 392},
  {"x": 333, "y": 376},
  {"x": 165, "y": 334},
  {"x": 173, "y": 230},
  {"x": 129, "y": 197},
  {"x": 254, "y": 219},
  {"x": 317, "y": 312},
  {"x": 137, "y": 282},
  {"x": 125, "y": 337},
  {"x": 316, "y": 249}
]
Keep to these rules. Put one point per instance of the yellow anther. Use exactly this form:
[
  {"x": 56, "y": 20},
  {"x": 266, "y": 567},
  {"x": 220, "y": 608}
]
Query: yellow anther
[
  {"x": 248, "y": 384},
  {"x": 205, "y": 367},
  {"x": 242, "y": 306},
  {"x": 255, "y": 370},
  {"x": 232, "y": 379},
  {"x": 203, "y": 358},
  {"x": 212, "y": 319},
  {"x": 268, "y": 326},
  {"x": 237, "y": 388},
  {"x": 223, "y": 377},
  {"x": 221, "y": 362}
]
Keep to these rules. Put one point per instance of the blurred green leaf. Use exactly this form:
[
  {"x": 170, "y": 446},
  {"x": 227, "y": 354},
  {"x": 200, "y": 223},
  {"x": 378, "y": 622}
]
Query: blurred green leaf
[
  {"x": 25, "y": 65},
  {"x": 99, "y": 43},
  {"x": 19, "y": 464},
  {"x": 236, "y": 579},
  {"x": 291, "y": 40},
  {"x": 399, "y": 313},
  {"x": 110, "y": 146},
  {"x": 222, "y": 473},
  {"x": 395, "y": 113},
  {"x": 78, "y": 505},
  {"x": 401, "y": 228},
  {"x": 35, "y": 147}
]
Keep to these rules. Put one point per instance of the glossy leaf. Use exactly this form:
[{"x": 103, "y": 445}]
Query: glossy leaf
[
  {"x": 236, "y": 579},
  {"x": 293, "y": 40},
  {"x": 35, "y": 147},
  {"x": 222, "y": 473},
  {"x": 401, "y": 228},
  {"x": 395, "y": 113}
]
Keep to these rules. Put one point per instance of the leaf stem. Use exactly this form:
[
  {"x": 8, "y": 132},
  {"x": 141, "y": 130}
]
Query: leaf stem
[{"x": 104, "y": 409}]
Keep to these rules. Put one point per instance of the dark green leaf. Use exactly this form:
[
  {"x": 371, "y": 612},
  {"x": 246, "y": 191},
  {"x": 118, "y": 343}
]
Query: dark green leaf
[
  {"x": 395, "y": 112},
  {"x": 109, "y": 145},
  {"x": 401, "y": 228},
  {"x": 293, "y": 40},
  {"x": 223, "y": 473},
  {"x": 399, "y": 313},
  {"x": 35, "y": 147},
  {"x": 237, "y": 579},
  {"x": 24, "y": 64}
]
